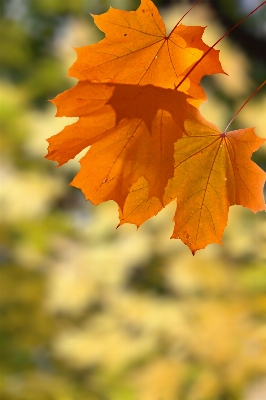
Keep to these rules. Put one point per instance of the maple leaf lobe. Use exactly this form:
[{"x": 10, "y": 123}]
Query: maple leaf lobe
[{"x": 146, "y": 51}]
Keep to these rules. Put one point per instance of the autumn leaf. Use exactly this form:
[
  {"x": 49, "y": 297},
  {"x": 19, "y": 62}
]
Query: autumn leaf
[
  {"x": 212, "y": 172},
  {"x": 149, "y": 144},
  {"x": 131, "y": 130},
  {"x": 136, "y": 50}
]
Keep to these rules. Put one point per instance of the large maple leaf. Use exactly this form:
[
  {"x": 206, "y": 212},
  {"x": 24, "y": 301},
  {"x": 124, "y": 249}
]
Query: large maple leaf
[
  {"x": 213, "y": 171},
  {"x": 131, "y": 130},
  {"x": 137, "y": 50}
]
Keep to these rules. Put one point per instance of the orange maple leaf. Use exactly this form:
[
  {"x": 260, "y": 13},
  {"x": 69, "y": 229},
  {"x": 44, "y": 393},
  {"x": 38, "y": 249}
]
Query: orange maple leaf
[
  {"x": 131, "y": 130},
  {"x": 213, "y": 171},
  {"x": 137, "y": 50}
]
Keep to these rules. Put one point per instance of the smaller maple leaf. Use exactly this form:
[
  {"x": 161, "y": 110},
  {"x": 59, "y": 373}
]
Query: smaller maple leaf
[
  {"x": 131, "y": 130},
  {"x": 212, "y": 172},
  {"x": 137, "y": 50}
]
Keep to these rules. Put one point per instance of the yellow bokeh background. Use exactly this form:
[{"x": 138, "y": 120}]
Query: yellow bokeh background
[{"x": 90, "y": 312}]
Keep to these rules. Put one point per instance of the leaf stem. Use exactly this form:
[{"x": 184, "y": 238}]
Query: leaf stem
[
  {"x": 250, "y": 97},
  {"x": 207, "y": 52},
  {"x": 183, "y": 17}
]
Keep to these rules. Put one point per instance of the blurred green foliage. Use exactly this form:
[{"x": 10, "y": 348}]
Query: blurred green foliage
[{"x": 93, "y": 313}]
